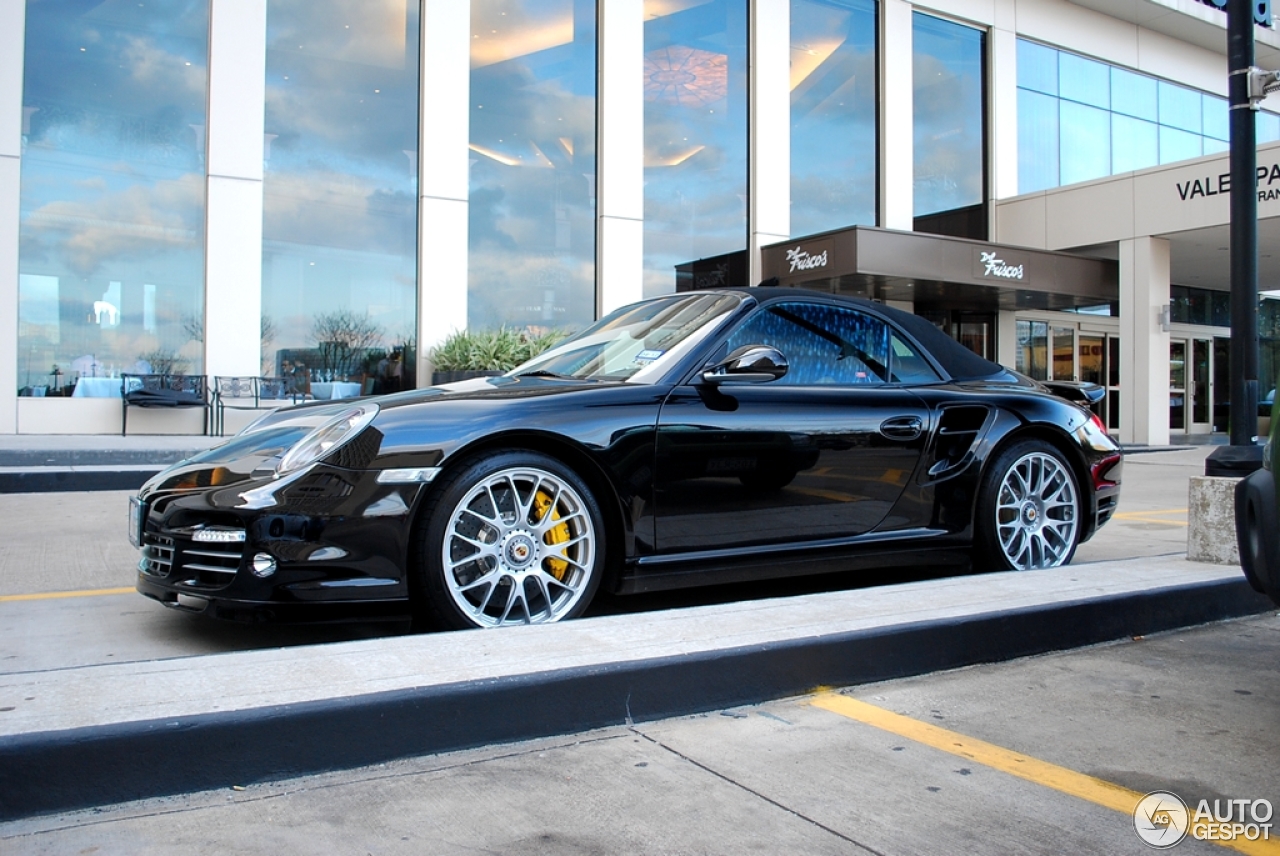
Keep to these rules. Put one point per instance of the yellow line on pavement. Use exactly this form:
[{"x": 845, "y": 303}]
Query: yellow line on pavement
[
  {"x": 1061, "y": 779},
  {"x": 1149, "y": 516},
  {"x": 53, "y": 595}
]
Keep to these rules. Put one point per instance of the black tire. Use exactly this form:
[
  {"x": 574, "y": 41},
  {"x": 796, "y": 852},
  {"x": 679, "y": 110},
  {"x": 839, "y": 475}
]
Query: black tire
[
  {"x": 507, "y": 538},
  {"x": 1256, "y": 533},
  {"x": 1030, "y": 510}
]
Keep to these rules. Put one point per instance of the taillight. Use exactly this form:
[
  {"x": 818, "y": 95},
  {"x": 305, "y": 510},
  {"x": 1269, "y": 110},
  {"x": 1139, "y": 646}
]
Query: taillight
[
  {"x": 1101, "y": 471},
  {"x": 1097, "y": 421}
]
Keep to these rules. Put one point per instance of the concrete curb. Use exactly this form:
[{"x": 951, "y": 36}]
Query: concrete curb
[
  {"x": 43, "y": 772},
  {"x": 75, "y": 478}
]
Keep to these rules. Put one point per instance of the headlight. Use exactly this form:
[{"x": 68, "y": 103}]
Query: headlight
[{"x": 327, "y": 437}]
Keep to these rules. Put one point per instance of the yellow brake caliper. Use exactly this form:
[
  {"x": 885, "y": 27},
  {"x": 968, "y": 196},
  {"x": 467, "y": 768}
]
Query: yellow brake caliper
[{"x": 555, "y": 535}]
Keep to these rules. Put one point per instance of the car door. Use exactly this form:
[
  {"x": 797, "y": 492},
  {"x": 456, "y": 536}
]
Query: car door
[{"x": 822, "y": 453}]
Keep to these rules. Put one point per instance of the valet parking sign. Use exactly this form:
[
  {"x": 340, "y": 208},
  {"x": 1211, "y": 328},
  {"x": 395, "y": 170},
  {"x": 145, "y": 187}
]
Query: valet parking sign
[
  {"x": 1162, "y": 820},
  {"x": 1268, "y": 183}
]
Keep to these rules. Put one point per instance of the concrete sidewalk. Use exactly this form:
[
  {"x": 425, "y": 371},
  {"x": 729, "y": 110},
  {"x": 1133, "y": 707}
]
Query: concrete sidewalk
[{"x": 90, "y": 735}]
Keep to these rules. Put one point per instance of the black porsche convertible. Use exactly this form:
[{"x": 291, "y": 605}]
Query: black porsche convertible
[{"x": 706, "y": 437}]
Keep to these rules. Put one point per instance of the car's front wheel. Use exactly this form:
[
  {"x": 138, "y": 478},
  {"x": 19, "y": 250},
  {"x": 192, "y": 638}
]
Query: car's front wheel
[
  {"x": 509, "y": 538},
  {"x": 1029, "y": 510}
]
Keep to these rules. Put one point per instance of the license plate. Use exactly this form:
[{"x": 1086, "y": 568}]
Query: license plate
[{"x": 137, "y": 514}]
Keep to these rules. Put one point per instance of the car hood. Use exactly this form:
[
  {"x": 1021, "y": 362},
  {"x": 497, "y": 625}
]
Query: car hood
[{"x": 254, "y": 452}]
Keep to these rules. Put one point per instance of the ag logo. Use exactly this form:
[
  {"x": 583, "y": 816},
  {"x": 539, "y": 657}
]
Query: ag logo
[{"x": 1161, "y": 819}]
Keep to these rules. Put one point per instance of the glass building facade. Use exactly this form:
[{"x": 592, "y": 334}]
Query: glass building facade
[
  {"x": 1080, "y": 119},
  {"x": 339, "y": 244},
  {"x": 531, "y": 255},
  {"x": 695, "y": 135},
  {"x": 429, "y": 165},
  {"x": 833, "y": 114},
  {"x": 111, "y": 223}
]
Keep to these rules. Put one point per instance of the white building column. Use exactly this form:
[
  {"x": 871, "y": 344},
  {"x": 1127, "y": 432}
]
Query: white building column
[
  {"x": 1144, "y": 346},
  {"x": 12, "y": 38},
  {"x": 620, "y": 154},
  {"x": 769, "y": 219},
  {"x": 1002, "y": 128},
  {"x": 233, "y": 231},
  {"x": 444, "y": 165},
  {"x": 897, "y": 159}
]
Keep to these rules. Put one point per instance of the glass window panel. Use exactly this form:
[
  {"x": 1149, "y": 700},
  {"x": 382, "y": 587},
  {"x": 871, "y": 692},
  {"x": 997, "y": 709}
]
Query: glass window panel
[
  {"x": 1086, "y": 142},
  {"x": 833, "y": 114},
  {"x": 948, "y": 115},
  {"x": 1180, "y": 107},
  {"x": 1216, "y": 117},
  {"x": 1178, "y": 145},
  {"x": 339, "y": 255},
  {"x": 1213, "y": 147},
  {"x": 824, "y": 345},
  {"x": 532, "y": 179},
  {"x": 1064, "y": 356},
  {"x": 1037, "y": 141},
  {"x": 1266, "y": 127},
  {"x": 1133, "y": 94},
  {"x": 111, "y": 210},
  {"x": 1037, "y": 67},
  {"x": 695, "y": 135},
  {"x": 1033, "y": 347},
  {"x": 1084, "y": 80},
  {"x": 1135, "y": 144}
]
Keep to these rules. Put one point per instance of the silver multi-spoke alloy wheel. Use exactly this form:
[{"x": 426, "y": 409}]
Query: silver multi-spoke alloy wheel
[
  {"x": 519, "y": 548},
  {"x": 1037, "y": 512}
]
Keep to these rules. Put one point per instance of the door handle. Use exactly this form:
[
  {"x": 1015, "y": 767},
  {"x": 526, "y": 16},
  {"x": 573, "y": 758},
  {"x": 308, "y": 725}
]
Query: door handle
[{"x": 902, "y": 427}]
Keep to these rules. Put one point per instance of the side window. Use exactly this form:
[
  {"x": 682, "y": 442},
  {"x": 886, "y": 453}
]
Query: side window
[
  {"x": 824, "y": 345},
  {"x": 908, "y": 366}
]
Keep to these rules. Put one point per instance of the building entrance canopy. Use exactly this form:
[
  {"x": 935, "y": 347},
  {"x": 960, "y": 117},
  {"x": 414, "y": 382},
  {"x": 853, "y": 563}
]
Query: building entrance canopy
[{"x": 939, "y": 272}]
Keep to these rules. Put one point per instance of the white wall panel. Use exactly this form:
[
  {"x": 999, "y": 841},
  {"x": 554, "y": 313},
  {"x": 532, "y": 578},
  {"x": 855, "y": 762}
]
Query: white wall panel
[
  {"x": 445, "y": 100},
  {"x": 237, "y": 87},
  {"x": 1066, "y": 25},
  {"x": 12, "y": 36},
  {"x": 620, "y": 188},
  {"x": 1144, "y": 347},
  {"x": 233, "y": 278},
  {"x": 233, "y": 231},
  {"x": 1003, "y": 128},
  {"x": 443, "y": 174},
  {"x": 770, "y": 143},
  {"x": 621, "y": 252},
  {"x": 972, "y": 11},
  {"x": 897, "y": 152},
  {"x": 442, "y": 283}
]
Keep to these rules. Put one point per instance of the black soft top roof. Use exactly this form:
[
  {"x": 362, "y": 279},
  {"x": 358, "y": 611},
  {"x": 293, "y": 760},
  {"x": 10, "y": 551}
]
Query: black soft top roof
[{"x": 956, "y": 360}]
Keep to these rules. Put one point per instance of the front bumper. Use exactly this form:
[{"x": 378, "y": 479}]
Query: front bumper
[{"x": 330, "y": 545}]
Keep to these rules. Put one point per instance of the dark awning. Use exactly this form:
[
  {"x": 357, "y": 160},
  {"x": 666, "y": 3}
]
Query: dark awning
[{"x": 939, "y": 272}]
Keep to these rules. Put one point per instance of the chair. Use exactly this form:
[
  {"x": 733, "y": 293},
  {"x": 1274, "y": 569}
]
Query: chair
[
  {"x": 249, "y": 393},
  {"x": 163, "y": 390}
]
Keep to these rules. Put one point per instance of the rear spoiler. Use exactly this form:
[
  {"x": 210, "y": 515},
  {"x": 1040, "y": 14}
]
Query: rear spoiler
[{"x": 1079, "y": 392}]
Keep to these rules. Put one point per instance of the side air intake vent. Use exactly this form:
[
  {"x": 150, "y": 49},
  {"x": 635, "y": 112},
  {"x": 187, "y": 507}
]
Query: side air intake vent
[{"x": 958, "y": 429}]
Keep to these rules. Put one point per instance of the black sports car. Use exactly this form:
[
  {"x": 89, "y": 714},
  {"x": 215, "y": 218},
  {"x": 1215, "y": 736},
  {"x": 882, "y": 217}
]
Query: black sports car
[{"x": 707, "y": 437}]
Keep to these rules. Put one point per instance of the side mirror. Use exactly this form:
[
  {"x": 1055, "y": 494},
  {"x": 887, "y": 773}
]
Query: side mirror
[{"x": 748, "y": 364}]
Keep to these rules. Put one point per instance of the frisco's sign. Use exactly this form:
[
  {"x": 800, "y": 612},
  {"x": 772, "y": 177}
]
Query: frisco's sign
[
  {"x": 1213, "y": 185},
  {"x": 997, "y": 267},
  {"x": 803, "y": 260}
]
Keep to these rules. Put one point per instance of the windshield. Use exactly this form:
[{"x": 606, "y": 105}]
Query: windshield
[{"x": 637, "y": 343}]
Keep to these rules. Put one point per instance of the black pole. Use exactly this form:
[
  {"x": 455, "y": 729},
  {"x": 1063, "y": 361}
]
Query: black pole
[{"x": 1244, "y": 226}]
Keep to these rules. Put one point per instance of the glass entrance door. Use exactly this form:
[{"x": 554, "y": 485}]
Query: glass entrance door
[
  {"x": 1097, "y": 361},
  {"x": 1178, "y": 385}
]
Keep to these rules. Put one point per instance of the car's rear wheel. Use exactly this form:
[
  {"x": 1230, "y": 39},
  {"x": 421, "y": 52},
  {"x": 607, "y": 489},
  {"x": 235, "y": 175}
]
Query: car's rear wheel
[
  {"x": 509, "y": 538},
  {"x": 1029, "y": 510}
]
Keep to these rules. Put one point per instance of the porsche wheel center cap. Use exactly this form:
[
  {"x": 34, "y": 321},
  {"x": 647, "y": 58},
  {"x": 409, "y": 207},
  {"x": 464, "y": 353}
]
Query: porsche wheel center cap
[
  {"x": 1030, "y": 514},
  {"x": 520, "y": 550}
]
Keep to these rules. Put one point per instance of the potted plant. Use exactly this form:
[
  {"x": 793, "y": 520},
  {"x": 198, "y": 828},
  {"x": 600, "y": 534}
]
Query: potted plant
[{"x": 484, "y": 353}]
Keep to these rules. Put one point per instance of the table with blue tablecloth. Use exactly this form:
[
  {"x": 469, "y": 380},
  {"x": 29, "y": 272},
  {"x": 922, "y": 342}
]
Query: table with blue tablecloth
[
  {"x": 97, "y": 387},
  {"x": 335, "y": 389}
]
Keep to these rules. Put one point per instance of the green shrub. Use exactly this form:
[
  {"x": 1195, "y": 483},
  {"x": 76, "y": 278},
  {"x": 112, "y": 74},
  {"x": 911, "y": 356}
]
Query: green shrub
[{"x": 491, "y": 350}]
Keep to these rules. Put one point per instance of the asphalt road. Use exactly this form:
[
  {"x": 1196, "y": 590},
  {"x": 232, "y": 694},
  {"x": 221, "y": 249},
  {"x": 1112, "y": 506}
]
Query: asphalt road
[{"x": 67, "y": 571}]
